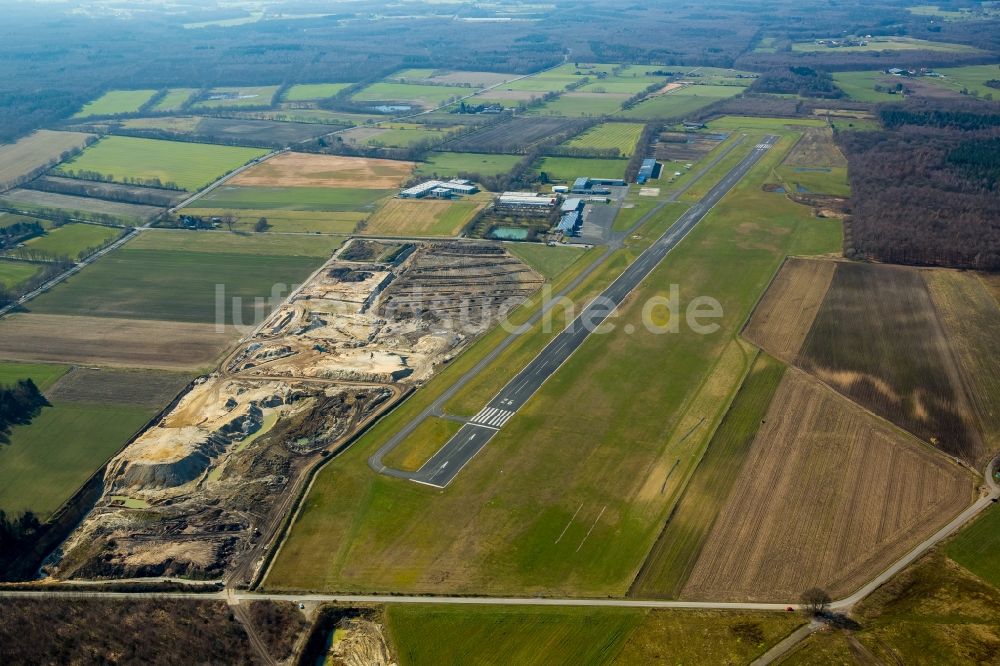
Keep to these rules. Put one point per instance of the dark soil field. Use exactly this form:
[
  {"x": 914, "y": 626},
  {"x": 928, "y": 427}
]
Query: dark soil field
[
  {"x": 878, "y": 340},
  {"x": 245, "y": 131},
  {"x": 515, "y": 136},
  {"x": 128, "y": 387}
]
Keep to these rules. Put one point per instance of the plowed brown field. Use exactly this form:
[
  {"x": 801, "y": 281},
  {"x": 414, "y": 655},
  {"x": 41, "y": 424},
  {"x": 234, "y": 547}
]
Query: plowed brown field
[
  {"x": 784, "y": 316},
  {"x": 307, "y": 170},
  {"x": 829, "y": 495}
]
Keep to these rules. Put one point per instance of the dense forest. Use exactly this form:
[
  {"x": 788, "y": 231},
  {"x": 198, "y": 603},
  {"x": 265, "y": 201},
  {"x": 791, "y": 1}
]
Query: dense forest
[
  {"x": 798, "y": 80},
  {"x": 925, "y": 192}
]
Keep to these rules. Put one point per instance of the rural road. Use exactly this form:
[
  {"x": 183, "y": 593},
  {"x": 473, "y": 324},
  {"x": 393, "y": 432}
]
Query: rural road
[{"x": 445, "y": 465}]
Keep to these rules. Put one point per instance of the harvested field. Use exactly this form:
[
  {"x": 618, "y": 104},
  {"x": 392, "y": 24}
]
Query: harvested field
[
  {"x": 134, "y": 194},
  {"x": 816, "y": 148},
  {"x": 829, "y": 492},
  {"x": 971, "y": 318},
  {"x": 878, "y": 340},
  {"x": 108, "y": 341},
  {"x": 305, "y": 170},
  {"x": 36, "y": 151},
  {"x": 123, "y": 387},
  {"x": 409, "y": 217},
  {"x": 785, "y": 314},
  {"x": 515, "y": 135},
  {"x": 80, "y": 207}
]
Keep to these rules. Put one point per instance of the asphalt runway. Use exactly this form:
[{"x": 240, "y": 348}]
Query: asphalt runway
[{"x": 445, "y": 465}]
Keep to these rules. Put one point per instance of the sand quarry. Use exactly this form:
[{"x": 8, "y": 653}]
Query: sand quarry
[{"x": 205, "y": 485}]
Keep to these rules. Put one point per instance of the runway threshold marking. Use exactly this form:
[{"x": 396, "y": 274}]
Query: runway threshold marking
[
  {"x": 591, "y": 528},
  {"x": 563, "y": 533}
]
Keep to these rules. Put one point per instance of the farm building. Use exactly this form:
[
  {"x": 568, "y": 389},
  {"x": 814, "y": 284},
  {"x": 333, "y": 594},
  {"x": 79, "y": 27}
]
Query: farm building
[
  {"x": 650, "y": 169},
  {"x": 526, "y": 203},
  {"x": 434, "y": 187},
  {"x": 569, "y": 223},
  {"x": 573, "y": 205}
]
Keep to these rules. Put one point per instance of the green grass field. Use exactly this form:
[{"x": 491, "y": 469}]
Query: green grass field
[
  {"x": 404, "y": 135},
  {"x": 116, "y": 102},
  {"x": 15, "y": 272},
  {"x": 421, "y": 444},
  {"x": 174, "y": 99},
  {"x": 680, "y": 102},
  {"x": 972, "y": 79},
  {"x": 818, "y": 180},
  {"x": 49, "y": 459},
  {"x": 449, "y": 165},
  {"x": 860, "y": 86},
  {"x": 43, "y": 374},
  {"x": 179, "y": 285},
  {"x": 568, "y": 169},
  {"x": 582, "y": 105},
  {"x": 426, "y": 635},
  {"x": 310, "y": 91},
  {"x": 673, "y": 557},
  {"x": 237, "y": 97},
  {"x": 434, "y": 634},
  {"x": 409, "y": 93},
  {"x": 72, "y": 240},
  {"x": 566, "y": 519},
  {"x": 236, "y": 243},
  {"x": 550, "y": 262},
  {"x": 622, "y": 136},
  {"x": 626, "y": 217},
  {"x": 293, "y": 198},
  {"x": 977, "y": 547},
  {"x": 887, "y": 44},
  {"x": 190, "y": 165},
  {"x": 293, "y": 221}
]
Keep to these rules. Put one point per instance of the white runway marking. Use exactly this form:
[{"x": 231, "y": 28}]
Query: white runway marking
[
  {"x": 561, "y": 534},
  {"x": 591, "y": 528},
  {"x": 492, "y": 417}
]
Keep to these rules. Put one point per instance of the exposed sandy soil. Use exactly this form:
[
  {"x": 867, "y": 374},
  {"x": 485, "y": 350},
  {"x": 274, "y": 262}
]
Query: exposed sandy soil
[
  {"x": 306, "y": 170},
  {"x": 827, "y": 496},
  {"x": 164, "y": 345},
  {"x": 785, "y": 314}
]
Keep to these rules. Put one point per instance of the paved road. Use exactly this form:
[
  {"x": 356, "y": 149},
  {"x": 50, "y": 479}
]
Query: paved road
[{"x": 445, "y": 465}]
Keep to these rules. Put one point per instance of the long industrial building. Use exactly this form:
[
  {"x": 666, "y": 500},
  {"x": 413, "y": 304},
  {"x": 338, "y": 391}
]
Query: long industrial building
[
  {"x": 526, "y": 203},
  {"x": 439, "y": 188}
]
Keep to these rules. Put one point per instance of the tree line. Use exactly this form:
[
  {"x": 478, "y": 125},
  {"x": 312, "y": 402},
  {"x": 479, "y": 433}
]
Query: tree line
[{"x": 19, "y": 403}]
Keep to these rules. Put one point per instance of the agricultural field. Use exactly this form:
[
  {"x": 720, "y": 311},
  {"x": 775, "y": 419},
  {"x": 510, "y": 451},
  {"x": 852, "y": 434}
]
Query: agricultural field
[
  {"x": 110, "y": 192},
  {"x": 622, "y": 136},
  {"x": 179, "y": 283},
  {"x": 397, "y": 135},
  {"x": 822, "y": 476},
  {"x": 234, "y": 98},
  {"x": 567, "y": 169},
  {"x": 116, "y": 102},
  {"x": 971, "y": 79},
  {"x": 549, "y": 262},
  {"x": 415, "y": 217},
  {"x": 450, "y": 165},
  {"x": 680, "y": 102},
  {"x": 670, "y": 562},
  {"x": 284, "y": 220},
  {"x": 307, "y": 170},
  {"x": 43, "y": 374},
  {"x": 73, "y": 240},
  {"x": 886, "y": 44},
  {"x": 36, "y": 151},
  {"x": 860, "y": 86},
  {"x": 815, "y": 180},
  {"x": 410, "y": 94},
  {"x": 305, "y": 92},
  {"x": 934, "y": 612},
  {"x": 89, "y": 420},
  {"x": 878, "y": 339},
  {"x": 36, "y": 201},
  {"x": 582, "y": 104},
  {"x": 977, "y": 547},
  {"x": 111, "y": 342},
  {"x": 226, "y": 130},
  {"x": 445, "y": 77},
  {"x": 190, "y": 166},
  {"x": 609, "y": 493},
  {"x": 13, "y": 273},
  {"x": 816, "y": 148},
  {"x": 316, "y": 198},
  {"x": 514, "y": 135},
  {"x": 174, "y": 100}
]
